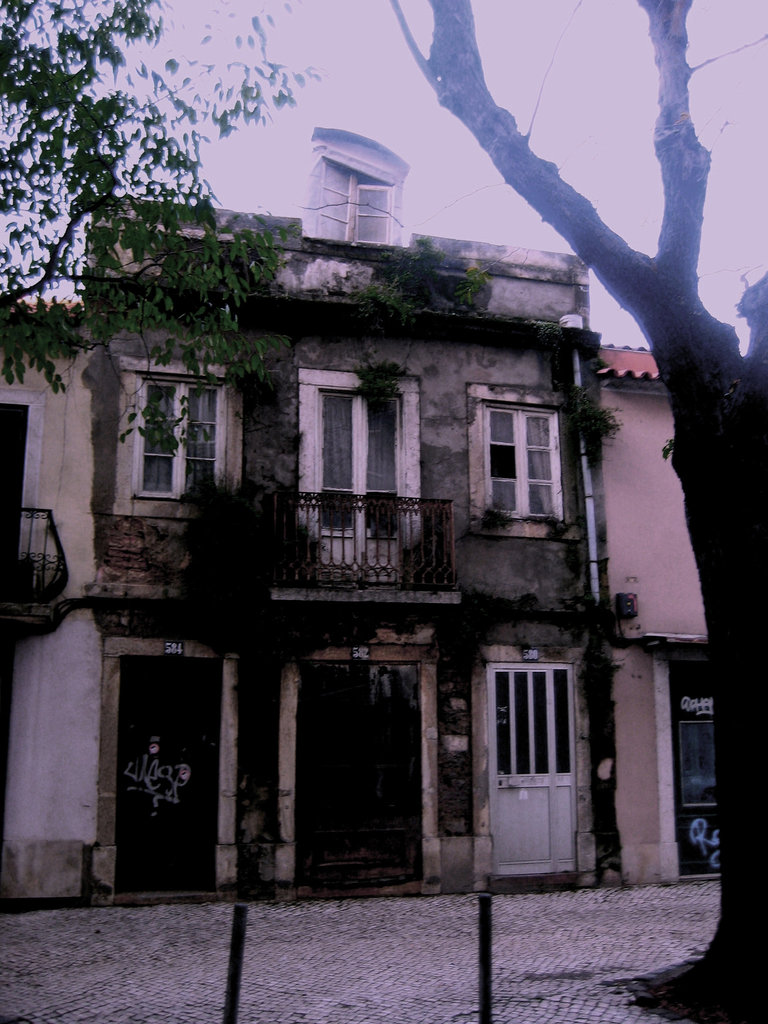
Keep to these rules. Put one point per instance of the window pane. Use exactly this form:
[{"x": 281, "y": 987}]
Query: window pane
[
  {"x": 373, "y": 199},
  {"x": 503, "y": 461},
  {"x": 540, "y": 738},
  {"x": 503, "y": 744},
  {"x": 337, "y": 443},
  {"x": 537, "y": 431},
  {"x": 522, "y": 735},
  {"x": 198, "y": 472},
  {"x": 158, "y": 474},
  {"x": 157, "y": 477},
  {"x": 202, "y": 406},
  {"x": 201, "y": 433},
  {"x": 504, "y": 495},
  {"x": 382, "y": 435},
  {"x": 372, "y": 229},
  {"x": 540, "y": 500},
  {"x": 697, "y": 762},
  {"x": 562, "y": 721},
  {"x": 336, "y": 179},
  {"x": 201, "y": 441},
  {"x": 373, "y": 214},
  {"x": 335, "y": 213},
  {"x": 159, "y": 399},
  {"x": 539, "y": 465},
  {"x": 502, "y": 426}
]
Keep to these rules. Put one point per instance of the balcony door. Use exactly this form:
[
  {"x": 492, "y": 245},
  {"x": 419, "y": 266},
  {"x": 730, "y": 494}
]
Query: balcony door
[
  {"x": 359, "y": 458},
  {"x": 13, "y": 436},
  {"x": 533, "y": 784}
]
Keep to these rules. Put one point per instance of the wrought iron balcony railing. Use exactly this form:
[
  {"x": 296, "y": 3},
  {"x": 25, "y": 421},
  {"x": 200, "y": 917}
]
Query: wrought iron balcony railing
[
  {"x": 39, "y": 572},
  {"x": 360, "y": 541}
]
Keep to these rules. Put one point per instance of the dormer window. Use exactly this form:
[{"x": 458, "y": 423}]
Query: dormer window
[
  {"x": 355, "y": 190},
  {"x": 356, "y": 207}
]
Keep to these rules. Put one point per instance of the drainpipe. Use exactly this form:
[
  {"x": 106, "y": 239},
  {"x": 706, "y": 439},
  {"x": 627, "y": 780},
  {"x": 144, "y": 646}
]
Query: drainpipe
[{"x": 586, "y": 474}]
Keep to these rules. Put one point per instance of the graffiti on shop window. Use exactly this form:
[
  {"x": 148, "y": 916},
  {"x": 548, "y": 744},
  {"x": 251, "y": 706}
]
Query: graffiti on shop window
[
  {"x": 698, "y": 705},
  {"x": 706, "y": 842},
  {"x": 160, "y": 781}
]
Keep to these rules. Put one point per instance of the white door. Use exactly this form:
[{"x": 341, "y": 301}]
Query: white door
[{"x": 533, "y": 806}]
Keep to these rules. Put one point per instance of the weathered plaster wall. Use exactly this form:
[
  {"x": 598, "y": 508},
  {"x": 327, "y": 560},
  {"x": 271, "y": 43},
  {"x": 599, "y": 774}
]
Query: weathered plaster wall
[
  {"x": 649, "y": 551},
  {"x": 52, "y": 761},
  {"x": 59, "y": 462},
  {"x": 649, "y": 554},
  {"x": 637, "y": 777}
]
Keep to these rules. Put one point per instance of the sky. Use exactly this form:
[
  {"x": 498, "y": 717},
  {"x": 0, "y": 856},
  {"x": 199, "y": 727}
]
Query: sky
[{"x": 594, "y": 120}]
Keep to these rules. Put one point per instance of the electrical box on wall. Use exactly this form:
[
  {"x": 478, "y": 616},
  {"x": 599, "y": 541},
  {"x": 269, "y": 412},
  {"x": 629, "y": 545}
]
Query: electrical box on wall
[{"x": 626, "y": 606}]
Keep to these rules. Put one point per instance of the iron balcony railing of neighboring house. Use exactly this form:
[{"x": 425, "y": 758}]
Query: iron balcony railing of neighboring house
[
  {"x": 40, "y": 571},
  {"x": 359, "y": 541}
]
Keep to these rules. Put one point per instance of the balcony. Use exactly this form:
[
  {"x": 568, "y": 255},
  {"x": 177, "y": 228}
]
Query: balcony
[
  {"x": 38, "y": 572},
  {"x": 362, "y": 542}
]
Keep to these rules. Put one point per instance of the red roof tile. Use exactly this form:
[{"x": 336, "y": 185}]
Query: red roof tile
[{"x": 628, "y": 362}]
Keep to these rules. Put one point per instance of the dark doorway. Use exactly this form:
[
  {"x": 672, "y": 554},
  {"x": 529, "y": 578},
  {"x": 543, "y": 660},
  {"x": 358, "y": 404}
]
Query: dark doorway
[
  {"x": 13, "y": 436},
  {"x": 358, "y": 786},
  {"x": 693, "y": 736},
  {"x": 168, "y": 774}
]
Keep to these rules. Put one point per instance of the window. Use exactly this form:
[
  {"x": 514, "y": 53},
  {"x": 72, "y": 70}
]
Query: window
[
  {"x": 355, "y": 207},
  {"x": 352, "y": 447},
  {"x": 514, "y": 458},
  {"x": 170, "y": 474},
  {"x": 521, "y": 460},
  {"x": 359, "y": 446}
]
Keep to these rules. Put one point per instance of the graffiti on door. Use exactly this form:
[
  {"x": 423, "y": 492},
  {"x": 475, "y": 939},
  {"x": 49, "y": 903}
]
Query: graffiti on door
[
  {"x": 161, "y": 782},
  {"x": 707, "y": 841},
  {"x": 697, "y": 822}
]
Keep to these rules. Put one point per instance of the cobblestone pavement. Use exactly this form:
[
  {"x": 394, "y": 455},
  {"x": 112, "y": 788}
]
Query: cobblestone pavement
[{"x": 559, "y": 958}]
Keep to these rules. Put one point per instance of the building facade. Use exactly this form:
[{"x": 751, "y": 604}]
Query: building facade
[
  {"x": 664, "y": 695},
  {"x": 347, "y": 637}
]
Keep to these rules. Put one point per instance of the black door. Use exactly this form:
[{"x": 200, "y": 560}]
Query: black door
[
  {"x": 167, "y": 774},
  {"x": 693, "y": 737},
  {"x": 13, "y": 437},
  {"x": 358, "y": 786}
]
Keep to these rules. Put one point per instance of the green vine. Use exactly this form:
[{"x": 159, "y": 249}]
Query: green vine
[
  {"x": 472, "y": 283},
  {"x": 594, "y": 423},
  {"x": 495, "y": 519},
  {"x": 548, "y": 334},
  {"x": 408, "y": 280},
  {"x": 379, "y": 382},
  {"x": 382, "y": 304}
]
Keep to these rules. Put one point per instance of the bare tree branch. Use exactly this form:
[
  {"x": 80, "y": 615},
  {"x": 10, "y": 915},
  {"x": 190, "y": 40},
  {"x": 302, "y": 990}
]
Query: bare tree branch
[
  {"x": 683, "y": 160},
  {"x": 730, "y": 53},
  {"x": 754, "y": 308},
  {"x": 405, "y": 28},
  {"x": 454, "y": 70}
]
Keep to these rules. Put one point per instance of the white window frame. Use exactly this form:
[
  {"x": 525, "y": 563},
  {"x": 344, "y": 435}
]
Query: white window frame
[
  {"x": 520, "y": 416},
  {"x": 483, "y": 399},
  {"x": 182, "y": 386},
  {"x": 313, "y": 384},
  {"x": 351, "y": 200}
]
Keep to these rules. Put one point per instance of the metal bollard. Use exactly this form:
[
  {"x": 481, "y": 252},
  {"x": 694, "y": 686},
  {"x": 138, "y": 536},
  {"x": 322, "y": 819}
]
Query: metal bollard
[
  {"x": 235, "y": 963},
  {"x": 484, "y": 929}
]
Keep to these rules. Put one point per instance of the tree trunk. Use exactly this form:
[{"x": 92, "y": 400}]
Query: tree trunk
[{"x": 721, "y": 457}]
